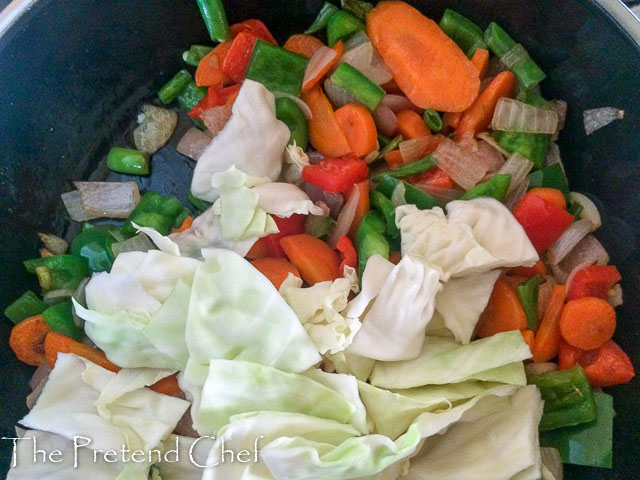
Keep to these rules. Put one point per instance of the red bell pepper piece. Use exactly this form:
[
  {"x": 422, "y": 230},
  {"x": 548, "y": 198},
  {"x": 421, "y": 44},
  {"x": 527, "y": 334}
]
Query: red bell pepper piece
[
  {"x": 543, "y": 222},
  {"x": 434, "y": 177},
  {"x": 237, "y": 59},
  {"x": 254, "y": 26},
  {"x": 336, "y": 175},
  {"x": 292, "y": 225},
  {"x": 595, "y": 281},
  {"x": 604, "y": 366},
  {"x": 216, "y": 96},
  {"x": 348, "y": 253}
]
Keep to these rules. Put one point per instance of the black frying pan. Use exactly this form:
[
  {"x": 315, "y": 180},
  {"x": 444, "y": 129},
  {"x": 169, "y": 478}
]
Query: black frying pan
[{"x": 72, "y": 74}]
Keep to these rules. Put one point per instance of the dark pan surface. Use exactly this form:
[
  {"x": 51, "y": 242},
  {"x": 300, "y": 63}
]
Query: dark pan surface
[{"x": 72, "y": 75}]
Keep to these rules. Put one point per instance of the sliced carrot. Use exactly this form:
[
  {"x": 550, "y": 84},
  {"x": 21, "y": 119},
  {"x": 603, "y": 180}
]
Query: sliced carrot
[
  {"x": 315, "y": 260},
  {"x": 530, "y": 338},
  {"x": 392, "y": 87},
  {"x": 168, "y": 386},
  {"x": 568, "y": 356},
  {"x": 312, "y": 82},
  {"x": 426, "y": 64},
  {"x": 411, "y": 125},
  {"x": 27, "y": 339},
  {"x": 551, "y": 195},
  {"x": 56, "y": 343},
  {"x": 275, "y": 269},
  {"x": 325, "y": 132},
  {"x": 451, "y": 119},
  {"x": 209, "y": 71},
  {"x": 362, "y": 208},
  {"x": 303, "y": 44},
  {"x": 394, "y": 158},
  {"x": 434, "y": 177},
  {"x": 349, "y": 257},
  {"x": 359, "y": 127},
  {"x": 587, "y": 322},
  {"x": 548, "y": 335},
  {"x": 514, "y": 280},
  {"x": 479, "y": 115},
  {"x": 503, "y": 313},
  {"x": 260, "y": 249},
  {"x": 186, "y": 224},
  {"x": 395, "y": 257},
  {"x": 538, "y": 269},
  {"x": 481, "y": 61}
]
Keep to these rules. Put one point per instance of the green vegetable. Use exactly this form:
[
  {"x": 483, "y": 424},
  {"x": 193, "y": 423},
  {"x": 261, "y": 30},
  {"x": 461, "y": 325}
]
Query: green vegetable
[
  {"x": 59, "y": 271},
  {"x": 201, "y": 205},
  {"x": 568, "y": 398},
  {"x": 391, "y": 145},
  {"x": 513, "y": 55},
  {"x": 575, "y": 209},
  {"x": 589, "y": 444},
  {"x": 94, "y": 246},
  {"x": 550, "y": 177},
  {"x": 533, "y": 146},
  {"x": 276, "y": 68},
  {"x": 215, "y": 19},
  {"x": 528, "y": 295},
  {"x": 27, "y": 305},
  {"x": 358, "y": 7},
  {"x": 381, "y": 203},
  {"x": 413, "y": 168},
  {"x": 125, "y": 160},
  {"x": 321, "y": 20},
  {"x": 181, "y": 217},
  {"x": 191, "y": 95},
  {"x": 59, "y": 318},
  {"x": 174, "y": 87},
  {"x": 292, "y": 115},
  {"x": 532, "y": 97},
  {"x": 463, "y": 31},
  {"x": 432, "y": 119},
  {"x": 370, "y": 239},
  {"x": 412, "y": 194},
  {"x": 342, "y": 25},
  {"x": 196, "y": 53},
  {"x": 366, "y": 91},
  {"x": 156, "y": 211},
  {"x": 496, "y": 187},
  {"x": 383, "y": 140},
  {"x": 318, "y": 226}
]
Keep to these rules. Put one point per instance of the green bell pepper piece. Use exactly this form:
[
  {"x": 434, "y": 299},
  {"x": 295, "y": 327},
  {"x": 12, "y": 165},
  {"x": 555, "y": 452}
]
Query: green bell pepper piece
[
  {"x": 550, "y": 177},
  {"x": 27, "y": 305},
  {"x": 342, "y": 25},
  {"x": 496, "y": 187},
  {"x": 278, "y": 69},
  {"x": 533, "y": 98},
  {"x": 370, "y": 239},
  {"x": 389, "y": 146},
  {"x": 174, "y": 87},
  {"x": 156, "y": 211},
  {"x": 94, "y": 246},
  {"x": 589, "y": 444},
  {"x": 366, "y": 91},
  {"x": 432, "y": 119},
  {"x": 358, "y": 7},
  {"x": 463, "y": 31},
  {"x": 128, "y": 161},
  {"x": 412, "y": 194},
  {"x": 575, "y": 209},
  {"x": 201, "y": 205},
  {"x": 533, "y": 146},
  {"x": 321, "y": 20},
  {"x": 413, "y": 168},
  {"x": 291, "y": 114},
  {"x": 215, "y": 19},
  {"x": 380, "y": 202},
  {"x": 196, "y": 53},
  {"x": 191, "y": 95},
  {"x": 317, "y": 226},
  {"x": 58, "y": 271},
  {"x": 528, "y": 295},
  {"x": 568, "y": 398},
  {"x": 59, "y": 318}
]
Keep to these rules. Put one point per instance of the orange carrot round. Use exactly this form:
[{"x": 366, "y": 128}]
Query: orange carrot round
[
  {"x": 358, "y": 126},
  {"x": 503, "y": 313},
  {"x": 275, "y": 269},
  {"x": 394, "y": 158},
  {"x": 27, "y": 339},
  {"x": 587, "y": 322},
  {"x": 168, "y": 386},
  {"x": 303, "y": 44},
  {"x": 56, "y": 343},
  {"x": 315, "y": 260},
  {"x": 325, "y": 133},
  {"x": 551, "y": 195},
  {"x": 426, "y": 64},
  {"x": 411, "y": 125},
  {"x": 548, "y": 335}
]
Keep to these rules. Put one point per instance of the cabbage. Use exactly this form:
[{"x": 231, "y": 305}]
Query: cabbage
[
  {"x": 375, "y": 274},
  {"x": 443, "y": 361},
  {"x": 191, "y": 452},
  {"x": 285, "y": 199},
  {"x": 349, "y": 363}
]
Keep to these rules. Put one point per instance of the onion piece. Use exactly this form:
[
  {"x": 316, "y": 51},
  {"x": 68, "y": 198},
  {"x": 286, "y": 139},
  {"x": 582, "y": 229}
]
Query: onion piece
[
  {"x": 513, "y": 198},
  {"x": 345, "y": 219},
  {"x": 518, "y": 167},
  {"x": 443, "y": 195},
  {"x": 56, "y": 296},
  {"x": 372, "y": 157},
  {"x": 544, "y": 295},
  {"x": 333, "y": 200},
  {"x": 53, "y": 243},
  {"x": 193, "y": 143},
  {"x": 614, "y": 296},
  {"x": 552, "y": 461},
  {"x": 589, "y": 210},
  {"x": 397, "y": 103},
  {"x": 216, "y": 118},
  {"x": 137, "y": 243},
  {"x": 560, "y": 107},
  {"x": 314, "y": 157},
  {"x": 318, "y": 64},
  {"x": 386, "y": 120},
  {"x": 357, "y": 40},
  {"x": 540, "y": 368},
  {"x": 303, "y": 106},
  {"x": 490, "y": 156},
  {"x": 514, "y": 116},
  {"x": 588, "y": 250},
  {"x": 73, "y": 203},
  {"x": 368, "y": 62},
  {"x": 457, "y": 161},
  {"x": 80, "y": 296},
  {"x": 487, "y": 137},
  {"x": 414, "y": 149},
  {"x": 156, "y": 125},
  {"x": 596, "y": 118},
  {"x": 108, "y": 199},
  {"x": 41, "y": 373},
  {"x": 568, "y": 240},
  {"x": 553, "y": 157},
  {"x": 339, "y": 96}
]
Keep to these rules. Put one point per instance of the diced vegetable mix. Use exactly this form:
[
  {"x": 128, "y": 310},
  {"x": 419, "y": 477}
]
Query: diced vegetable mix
[{"x": 348, "y": 253}]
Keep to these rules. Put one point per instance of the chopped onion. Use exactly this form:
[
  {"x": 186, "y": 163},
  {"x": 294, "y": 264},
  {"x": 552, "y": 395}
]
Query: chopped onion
[
  {"x": 487, "y": 137},
  {"x": 137, "y": 243},
  {"x": 318, "y": 63},
  {"x": 386, "y": 120},
  {"x": 156, "y": 125},
  {"x": 495, "y": 67},
  {"x": 553, "y": 157},
  {"x": 193, "y": 143},
  {"x": 540, "y": 368},
  {"x": 544, "y": 295},
  {"x": 314, "y": 157},
  {"x": 333, "y": 200},
  {"x": 32, "y": 398},
  {"x": 339, "y": 96},
  {"x": 576, "y": 269},
  {"x": 216, "y": 118},
  {"x": 45, "y": 253},
  {"x": 513, "y": 198},
  {"x": 552, "y": 461},
  {"x": 596, "y": 118},
  {"x": 80, "y": 296},
  {"x": 372, "y": 157},
  {"x": 357, "y": 40},
  {"x": 491, "y": 157},
  {"x": 518, "y": 167},
  {"x": 589, "y": 210},
  {"x": 514, "y": 116},
  {"x": 443, "y": 195},
  {"x": 459, "y": 163},
  {"x": 41, "y": 373},
  {"x": 414, "y": 149},
  {"x": 588, "y": 250},
  {"x": 559, "y": 274},
  {"x": 614, "y": 296},
  {"x": 568, "y": 240},
  {"x": 345, "y": 219},
  {"x": 73, "y": 203},
  {"x": 108, "y": 199},
  {"x": 368, "y": 62},
  {"x": 56, "y": 296},
  {"x": 303, "y": 106},
  {"x": 560, "y": 107},
  {"x": 53, "y": 243},
  {"x": 397, "y": 103}
]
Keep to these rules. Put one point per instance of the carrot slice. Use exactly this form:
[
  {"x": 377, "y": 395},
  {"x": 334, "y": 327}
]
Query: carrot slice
[
  {"x": 479, "y": 115},
  {"x": 481, "y": 61},
  {"x": 361, "y": 209},
  {"x": 551, "y": 195},
  {"x": 503, "y": 313},
  {"x": 209, "y": 71},
  {"x": 394, "y": 158},
  {"x": 587, "y": 322},
  {"x": 426, "y": 64},
  {"x": 338, "y": 48},
  {"x": 395, "y": 257},
  {"x": 411, "y": 125},
  {"x": 315, "y": 260},
  {"x": 56, "y": 343},
  {"x": 530, "y": 338},
  {"x": 186, "y": 224},
  {"x": 275, "y": 269},
  {"x": 260, "y": 249},
  {"x": 548, "y": 336},
  {"x": 27, "y": 340},
  {"x": 303, "y": 44},
  {"x": 168, "y": 386},
  {"x": 451, "y": 119},
  {"x": 359, "y": 127},
  {"x": 325, "y": 132},
  {"x": 538, "y": 269}
]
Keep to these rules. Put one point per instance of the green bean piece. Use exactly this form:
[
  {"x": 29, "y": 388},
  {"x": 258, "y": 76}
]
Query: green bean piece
[
  {"x": 201, "y": 205},
  {"x": 528, "y": 295},
  {"x": 25, "y": 306},
  {"x": 432, "y": 119},
  {"x": 380, "y": 202},
  {"x": 174, "y": 87},
  {"x": 196, "y": 53},
  {"x": 342, "y": 25},
  {"x": 383, "y": 140},
  {"x": 59, "y": 318},
  {"x": 463, "y": 31},
  {"x": 128, "y": 161},
  {"x": 496, "y": 187},
  {"x": 191, "y": 95},
  {"x": 359, "y": 8},
  {"x": 321, "y": 20},
  {"x": 215, "y": 19},
  {"x": 413, "y": 168},
  {"x": 391, "y": 145},
  {"x": 291, "y": 114}
]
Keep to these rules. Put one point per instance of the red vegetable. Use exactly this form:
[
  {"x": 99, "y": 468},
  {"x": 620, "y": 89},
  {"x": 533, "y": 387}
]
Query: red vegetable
[
  {"x": 292, "y": 225},
  {"x": 216, "y": 96},
  {"x": 605, "y": 366},
  {"x": 543, "y": 222},
  {"x": 336, "y": 175},
  {"x": 237, "y": 59},
  {"x": 595, "y": 281},
  {"x": 434, "y": 177},
  {"x": 347, "y": 252},
  {"x": 255, "y": 27},
  {"x": 315, "y": 260}
]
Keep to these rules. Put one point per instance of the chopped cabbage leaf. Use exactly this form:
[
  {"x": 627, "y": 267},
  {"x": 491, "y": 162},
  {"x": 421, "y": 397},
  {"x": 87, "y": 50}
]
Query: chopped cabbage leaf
[
  {"x": 375, "y": 274},
  {"x": 285, "y": 199},
  {"x": 349, "y": 364},
  {"x": 188, "y": 461}
]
